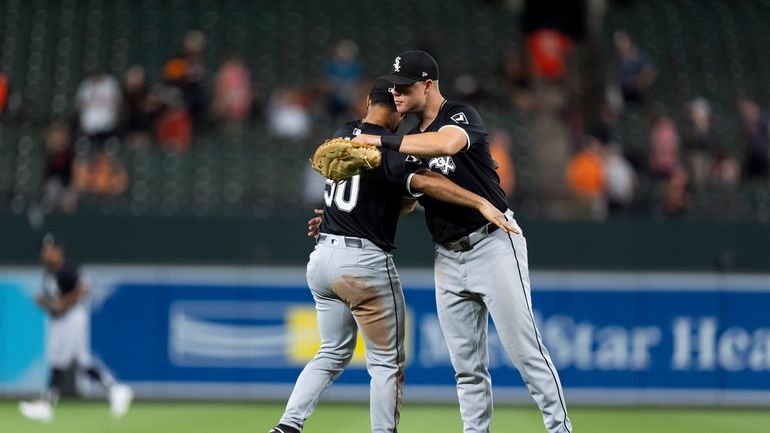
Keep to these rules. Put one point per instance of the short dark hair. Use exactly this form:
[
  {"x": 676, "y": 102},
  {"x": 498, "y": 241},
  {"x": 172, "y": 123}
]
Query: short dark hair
[{"x": 384, "y": 99}]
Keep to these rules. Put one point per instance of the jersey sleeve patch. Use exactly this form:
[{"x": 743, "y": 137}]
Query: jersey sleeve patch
[{"x": 460, "y": 118}]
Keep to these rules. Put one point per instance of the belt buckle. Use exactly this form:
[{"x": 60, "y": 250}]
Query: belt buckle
[
  {"x": 353, "y": 243},
  {"x": 460, "y": 245}
]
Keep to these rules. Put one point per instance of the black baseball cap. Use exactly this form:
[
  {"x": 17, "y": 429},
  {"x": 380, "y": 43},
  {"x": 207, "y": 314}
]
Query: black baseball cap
[
  {"x": 380, "y": 86},
  {"x": 412, "y": 66}
]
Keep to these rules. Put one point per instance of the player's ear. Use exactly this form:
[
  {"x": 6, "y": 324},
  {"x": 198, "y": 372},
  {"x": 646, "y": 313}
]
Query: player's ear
[
  {"x": 368, "y": 102},
  {"x": 427, "y": 86}
]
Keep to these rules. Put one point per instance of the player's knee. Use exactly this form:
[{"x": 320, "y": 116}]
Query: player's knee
[
  {"x": 471, "y": 377},
  {"x": 338, "y": 359},
  {"x": 94, "y": 374},
  {"x": 385, "y": 370}
]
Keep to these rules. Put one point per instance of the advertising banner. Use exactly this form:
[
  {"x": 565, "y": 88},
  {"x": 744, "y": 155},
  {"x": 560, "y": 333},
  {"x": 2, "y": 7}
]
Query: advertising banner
[{"x": 247, "y": 333}]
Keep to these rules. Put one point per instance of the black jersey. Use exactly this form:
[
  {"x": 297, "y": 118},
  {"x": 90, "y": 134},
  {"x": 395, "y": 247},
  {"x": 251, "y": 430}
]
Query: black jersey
[
  {"x": 63, "y": 281},
  {"x": 472, "y": 168},
  {"x": 368, "y": 205}
]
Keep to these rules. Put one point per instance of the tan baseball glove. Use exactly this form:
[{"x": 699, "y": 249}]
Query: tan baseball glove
[{"x": 340, "y": 159}]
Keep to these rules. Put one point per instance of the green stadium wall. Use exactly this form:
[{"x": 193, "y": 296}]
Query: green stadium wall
[{"x": 281, "y": 240}]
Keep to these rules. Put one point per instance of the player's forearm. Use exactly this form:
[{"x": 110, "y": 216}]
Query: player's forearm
[
  {"x": 440, "y": 188},
  {"x": 430, "y": 144},
  {"x": 407, "y": 206},
  {"x": 447, "y": 141},
  {"x": 45, "y": 304}
]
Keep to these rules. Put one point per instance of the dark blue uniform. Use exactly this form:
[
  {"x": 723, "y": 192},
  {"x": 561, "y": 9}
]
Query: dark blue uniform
[{"x": 67, "y": 278}]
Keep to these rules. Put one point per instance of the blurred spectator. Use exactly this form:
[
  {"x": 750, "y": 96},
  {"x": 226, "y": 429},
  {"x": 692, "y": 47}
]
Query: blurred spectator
[
  {"x": 603, "y": 126},
  {"x": 468, "y": 89},
  {"x": 547, "y": 51},
  {"x": 98, "y": 102},
  {"x": 586, "y": 179},
  {"x": 141, "y": 107},
  {"x": 620, "y": 179},
  {"x": 313, "y": 186},
  {"x": 500, "y": 149},
  {"x": 756, "y": 129},
  {"x": 342, "y": 72},
  {"x": 585, "y": 171},
  {"x": 724, "y": 169},
  {"x": 4, "y": 91},
  {"x": 187, "y": 71},
  {"x": 517, "y": 75},
  {"x": 664, "y": 145},
  {"x": 58, "y": 192},
  {"x": 102, "y": 175},
  {"x": 174, "y": 127},
  {"x": 699, "y": 142},
  {"x": 287, "y": 114},
  {"x": 676, "y": 196},
  {"x": 634, "y": 70},
  {"x": 233, "y": 95}
]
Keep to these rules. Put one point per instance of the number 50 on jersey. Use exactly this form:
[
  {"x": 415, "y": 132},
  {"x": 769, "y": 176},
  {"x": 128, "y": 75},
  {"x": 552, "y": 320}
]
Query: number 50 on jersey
[{"x": 344, "y": 194}]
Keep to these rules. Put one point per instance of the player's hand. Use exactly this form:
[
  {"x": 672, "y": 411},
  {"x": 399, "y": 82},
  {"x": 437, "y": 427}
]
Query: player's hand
[
  {"x": 374, "y": 140},
  {"x": 314, "y": 225},
  {"x": 47, "y": 304},
  {"x": 493, "y": 215},
  {"x": 43, "y": 302}
]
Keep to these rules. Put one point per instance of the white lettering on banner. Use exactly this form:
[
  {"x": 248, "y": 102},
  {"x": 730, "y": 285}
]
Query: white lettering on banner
[
  {"x": 734, "y": 349},
  {"x": 733, "y": 343},
  {"x": 702, "y": 343},
  {"x": 585, "y": 346},
  {"x": 434, "y": 352},
  {"x": 588, "y": 347},
  {"x": 759, "y": 358}
]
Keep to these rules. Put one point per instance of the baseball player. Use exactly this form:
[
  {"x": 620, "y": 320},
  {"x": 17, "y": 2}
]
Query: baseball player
[
  {"x": 352, "y": 276},
  {"x": 68, "y": 338},
  {"x": 478, "y": 269}
]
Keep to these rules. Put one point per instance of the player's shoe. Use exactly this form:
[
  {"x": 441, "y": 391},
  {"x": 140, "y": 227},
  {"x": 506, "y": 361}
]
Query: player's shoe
[
  {"x": 120, "y": 399},
  {"x": 37, "y": 410},
  {"x": 283, "y": 428}
]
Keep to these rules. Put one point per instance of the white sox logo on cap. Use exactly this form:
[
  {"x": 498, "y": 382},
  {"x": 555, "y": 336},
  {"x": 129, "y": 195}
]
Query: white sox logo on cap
[{"x": 397, "y": 65}]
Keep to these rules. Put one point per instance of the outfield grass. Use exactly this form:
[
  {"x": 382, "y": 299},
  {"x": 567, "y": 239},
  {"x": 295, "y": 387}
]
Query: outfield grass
[{"x": 155, "y": 417}]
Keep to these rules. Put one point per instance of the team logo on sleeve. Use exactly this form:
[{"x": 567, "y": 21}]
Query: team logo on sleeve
[
  {"x": 460, "y": 118},
  {"x": 413, "y": 159},
  {"x": 444, "y": 163},
  {"x": 356, "y": 131}
]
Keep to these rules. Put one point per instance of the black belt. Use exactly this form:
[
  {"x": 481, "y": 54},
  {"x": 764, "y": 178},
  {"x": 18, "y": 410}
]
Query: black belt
[
  {"x": 349, "y": 242},
  {"x": 464, "y": 243}
]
